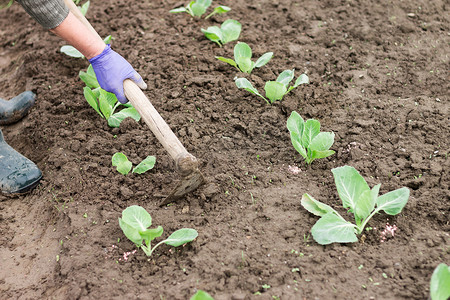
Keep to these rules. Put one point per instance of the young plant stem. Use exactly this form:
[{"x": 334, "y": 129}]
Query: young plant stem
[
  {"x": 360, "y": 228},
  {"x": 114, "y": 108},
  {"x": 210, "y": 15},
  {"x": 151, "y": 251},
  {"x": 146, "y": 250}
]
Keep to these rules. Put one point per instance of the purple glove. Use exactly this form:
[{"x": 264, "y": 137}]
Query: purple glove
[{"x": 111, "y": 70}]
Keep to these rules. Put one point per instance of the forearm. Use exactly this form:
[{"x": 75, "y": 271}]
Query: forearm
[
  {"x": 55, "y": 16},
  {"x": 82, "y": 38}
]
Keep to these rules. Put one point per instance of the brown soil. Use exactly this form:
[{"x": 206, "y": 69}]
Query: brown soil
[{"x": 379, "y": 80}]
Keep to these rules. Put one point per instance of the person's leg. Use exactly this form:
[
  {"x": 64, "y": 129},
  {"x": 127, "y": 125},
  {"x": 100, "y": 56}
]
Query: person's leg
[{"x": 18, "y": 174}]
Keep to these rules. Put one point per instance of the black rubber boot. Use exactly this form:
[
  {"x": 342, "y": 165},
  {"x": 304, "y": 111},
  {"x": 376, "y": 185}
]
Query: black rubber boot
[
  {"x": 15, "y": 109},
  {"x": 18, "y": 174}
]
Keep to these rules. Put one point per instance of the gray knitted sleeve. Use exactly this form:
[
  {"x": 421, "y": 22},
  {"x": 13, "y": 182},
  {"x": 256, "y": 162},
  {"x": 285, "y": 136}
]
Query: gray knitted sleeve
[{"x": 48, "y": 13}]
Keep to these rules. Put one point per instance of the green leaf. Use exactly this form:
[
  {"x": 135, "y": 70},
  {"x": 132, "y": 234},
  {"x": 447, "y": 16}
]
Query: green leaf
[
  {"x": 189, "y": 8},
  {"x": 296, "y": 142},
  {"x": 150, "y": 234},
  {"x": 323, "y": 141},
  {"x": 274, "y": 90},
  {"x": 231, "y": 29},
  {"x": 316, "y": 207},
  {"x": 107, "y": 39},
  {"x": 440, "y": 283},
  {"x": 137, "y": 217},
  {"x": 242, "y": 56},
  {"x": 227, "y": 60},
  {"x": 128, "y": 104},
  {"x": 106, "y": 102},
  {"x": 319, "y": 146},
  {"x": 243, "y": 83},
  {"x": 350, "y": 185},
  {"x": 222, "y": 9},
  {"x": 366, "y": 203},
  {"x": 393, "y": 202},
  {"x": 84, "y": 8},
  {"x": 178, "y": 10},
  {"x": 71, "y": 51},
  {"x": 91, "y": 99},
  {"x": 204, "y": 3},
  {"x": 310, "y": 131},
  {"x": 245, "y": 64},
  {"x": 96, "y": 92},
  {"x": 199, "y": 7},
  {"x": 181, "y": 236},
  {"x": 89, "y": 79},
  {"x": 333, "y": 229},
  {"x": 242, "y": 50},
  {"x": 295, "y": 123},
  {"x": 285, "y": 77},
  {"x": 302, "y": 79},
  {"x": 121, "y": 162},
  {"x": 91, "y": 72},
  {"x": 320, "y": 154},
  {"x": 264, "y": 59},
  {"x": 145, "y": 165},
  {"x": 115, "y": 119},
  {"x": 130, "y": 232},
  {"x": 219, "y": 10},
  {"x": 214, "y": 34},
  {"x": 201, "y": 295}
]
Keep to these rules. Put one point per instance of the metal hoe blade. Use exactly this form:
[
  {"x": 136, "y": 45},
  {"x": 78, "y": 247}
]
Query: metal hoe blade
[{"x": 188, "y": 184}]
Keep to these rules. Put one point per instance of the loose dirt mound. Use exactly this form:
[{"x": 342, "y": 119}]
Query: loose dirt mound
[{"x": 379, "y": 80}]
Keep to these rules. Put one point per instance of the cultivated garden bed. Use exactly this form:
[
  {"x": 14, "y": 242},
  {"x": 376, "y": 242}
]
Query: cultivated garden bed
[{"x": 378, "y": 81}]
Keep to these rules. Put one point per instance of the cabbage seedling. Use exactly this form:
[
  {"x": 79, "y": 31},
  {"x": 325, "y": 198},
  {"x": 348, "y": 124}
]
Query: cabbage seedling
[
  {"x": 275, "y": 90},
  {"x": 360, "y": 200},
  {"x": 440, "y": 283},
  {"x": 194, "y": 8},
  {"x": 229, "y": 31},
  {"x": 123, "y": 165},
  {"x": 135, "y": 222},
  {"x": 105, "y": 103},
  {"x": 198, "y": 8},
  {"x": 307, "y": 138},
  {"x": 243, "y": 58}
]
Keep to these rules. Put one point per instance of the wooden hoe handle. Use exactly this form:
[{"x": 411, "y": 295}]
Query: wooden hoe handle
[{"x": 186, "y": 163}]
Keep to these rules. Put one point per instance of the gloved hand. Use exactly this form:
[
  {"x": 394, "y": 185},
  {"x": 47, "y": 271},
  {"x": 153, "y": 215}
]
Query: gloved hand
[{"x": 112, "y": 69}]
